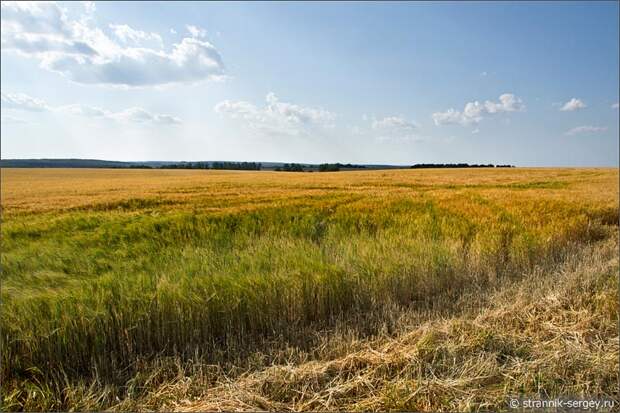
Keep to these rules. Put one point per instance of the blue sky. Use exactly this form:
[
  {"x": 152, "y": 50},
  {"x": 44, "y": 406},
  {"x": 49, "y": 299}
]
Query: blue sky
[{"x": 531, "y": 84}]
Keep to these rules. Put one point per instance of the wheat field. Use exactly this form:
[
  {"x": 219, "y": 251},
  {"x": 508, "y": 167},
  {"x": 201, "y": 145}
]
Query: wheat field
[{"x": 198, "y": 290}]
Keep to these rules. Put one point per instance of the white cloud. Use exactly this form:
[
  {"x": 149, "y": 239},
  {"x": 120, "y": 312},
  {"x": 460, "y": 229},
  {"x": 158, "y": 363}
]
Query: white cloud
[
  {"x": 34, "y": 18},
  {"x": 89, "y": 11},
  {"x": 277, "y": 117},
  {"x": 85, "y": 54},
  {"x": 475, "y": 131},
  {"x": 84, "y": 110},
  {"x": 449, "y": 117},
  {"x": 139, "y": 115},
  {"x": 172, "y": 31},
  {"x": 573, "y": 104},
  {"x": 394, "y": 123},
  {"x": 20, "y": 101},
  {"x": 581, "y": 130},
  {"x": 474, "y": 112},
  {"x": 128, "y": 35},
  {"x": 131, "y": 115},
  {"x": 190, "y": 61},
  {"x": 297, "y": 114},
  {"x": 507, "y": 103},
  {"x": 37, "y": 29},
  {"x": 615, "y": 105},
  {"x": 89, "y": 7},
  {"x": 196, "y": 31}
]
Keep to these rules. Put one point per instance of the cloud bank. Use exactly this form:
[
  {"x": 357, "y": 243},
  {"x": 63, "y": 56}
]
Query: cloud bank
[
  {"x": 277, "y": 117},
  {"x": 583, "y": 130},
  {"x": 85, "y": 54},
  {"x": 20, "y": 101},
  {"x": 474, "y": 112}
]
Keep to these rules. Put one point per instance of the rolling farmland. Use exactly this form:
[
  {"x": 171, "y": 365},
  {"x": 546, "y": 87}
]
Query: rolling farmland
[{"x": 360, "y": 290}]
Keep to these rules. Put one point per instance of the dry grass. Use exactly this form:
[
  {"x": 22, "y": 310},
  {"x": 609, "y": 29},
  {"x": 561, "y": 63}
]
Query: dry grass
[{"x": 548, "y": 334}]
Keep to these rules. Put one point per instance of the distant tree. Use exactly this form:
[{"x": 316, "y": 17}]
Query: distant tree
[
  {"x": 246, "y": 166},
  {"x": 292, "y": 167},
  {"x": 326, "y": 167},
  {"x": 450, "y": 165}
]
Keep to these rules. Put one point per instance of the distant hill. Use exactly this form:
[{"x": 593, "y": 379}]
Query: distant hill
[
  {"x": 61, "y": 163},
  {"x": 77, "y": 163}
]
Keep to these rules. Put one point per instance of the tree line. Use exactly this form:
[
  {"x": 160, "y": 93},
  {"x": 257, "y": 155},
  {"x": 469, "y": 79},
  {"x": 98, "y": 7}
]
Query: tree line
[
  {"x": 243, "y": 166},
  {"x": 457, "y": 165},
  {"x": 324, "y": 167}
]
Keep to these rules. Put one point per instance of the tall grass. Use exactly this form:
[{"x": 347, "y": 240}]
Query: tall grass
[{"x": 92, "y": 292}]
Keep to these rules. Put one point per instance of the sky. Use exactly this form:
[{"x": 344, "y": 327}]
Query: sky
[{"x": 529, "y": 84}]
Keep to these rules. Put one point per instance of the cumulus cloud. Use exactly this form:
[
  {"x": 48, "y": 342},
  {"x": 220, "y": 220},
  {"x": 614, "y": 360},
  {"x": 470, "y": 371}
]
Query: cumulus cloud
[
  {"x": 573, "y": 104},
  {"x": 474, "y": 112},
  {"x": 507, "y": 103},
  {"x": 20, "y": 101},
  {"x": 128, "y": 35},
  {"x": 615, "y": 105},
  {"x": 85, "y": 54},
  {"x": 139, "y": 115},
  {"x": 84, "y": 110},
  {"x": 277, "y": 117},
  {"x": 196, "y": 31},
  {"x": 89, "y": 7},
  {"x": 582, "y": 130},
  {"x": 450, "y": 117}
]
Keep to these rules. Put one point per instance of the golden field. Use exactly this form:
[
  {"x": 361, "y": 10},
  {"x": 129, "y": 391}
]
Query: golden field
[
  {"x": 439, "y": 289},
  {"x": 37, "y": 190}
]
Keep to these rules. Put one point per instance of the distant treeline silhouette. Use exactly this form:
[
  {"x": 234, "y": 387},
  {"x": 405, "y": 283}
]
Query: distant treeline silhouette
[
  {"x": 324, "y": 167},
  {"x": 457, "y": 165},
  {"x": 334, "y": 167},
  {"x": 244, "y": 166},
  {"x": 291, "y": 167}
]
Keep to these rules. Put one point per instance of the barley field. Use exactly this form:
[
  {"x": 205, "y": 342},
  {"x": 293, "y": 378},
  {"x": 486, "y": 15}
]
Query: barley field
[{"x": 196, "y": 290}]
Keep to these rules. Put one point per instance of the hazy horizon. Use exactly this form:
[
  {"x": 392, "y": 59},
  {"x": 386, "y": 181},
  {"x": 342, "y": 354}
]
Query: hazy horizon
[{"x": 528, "y": 84}]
